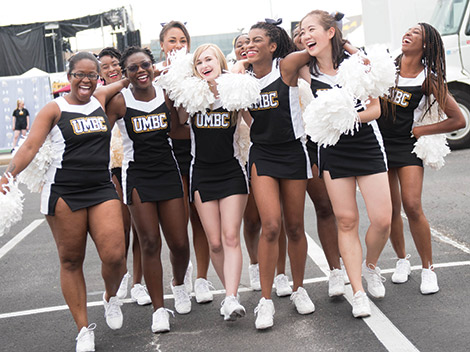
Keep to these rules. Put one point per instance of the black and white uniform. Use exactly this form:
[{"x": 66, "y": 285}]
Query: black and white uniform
[
  {"x": 149, "y": 164},
  {"x": 181, "y": 147},
  {"x": 277, "y": 133},
  {"x": 79, "y": 171},
  {"x": 409, "y": 104},
  {"x": 358, "y": 154},
  {"x": 216, "y": 168}
]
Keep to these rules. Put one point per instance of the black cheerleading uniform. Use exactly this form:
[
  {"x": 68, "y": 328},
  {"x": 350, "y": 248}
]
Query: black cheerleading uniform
[
  {"x": 20, "y": 119},
  {"x": 79, "y": 171},
  {"x": 409, "y": 104},
  {"x": 149, "y": 164},
  {"x": 277, "y": 133},
  {"x": 355, "y": 154},
  {"x": 216, "y": 169},
  {"x": 181, "y": 147}
]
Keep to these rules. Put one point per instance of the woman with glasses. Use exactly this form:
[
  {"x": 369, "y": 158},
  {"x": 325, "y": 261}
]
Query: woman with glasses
[
  {"x": 173, "y": 37},
  {"x": 110, "y": 72},
  {"x": 78, "y": 196},
  {"x": 151, "y": 179}
]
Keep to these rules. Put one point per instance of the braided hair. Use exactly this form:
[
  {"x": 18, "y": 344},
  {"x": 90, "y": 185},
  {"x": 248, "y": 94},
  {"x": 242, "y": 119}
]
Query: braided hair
[
  {"x": 434, "y": 62},
  {"x": 328, "y": 21},
  {"x": 132, "y": 50},
  {"x": 277, "y": 35},
  {"x": 110, "y": 51}
]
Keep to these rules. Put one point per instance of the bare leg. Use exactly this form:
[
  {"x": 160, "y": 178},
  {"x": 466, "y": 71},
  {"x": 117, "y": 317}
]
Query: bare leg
[
  {"x": 251, "y": 228},
  {"x": 397, "y": 238}
]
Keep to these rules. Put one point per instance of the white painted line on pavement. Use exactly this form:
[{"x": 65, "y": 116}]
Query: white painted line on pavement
[
  {"x": 444, "y": 238},
  {"x": 387, "y": 333},
  {"x": 17, "y": 239}
]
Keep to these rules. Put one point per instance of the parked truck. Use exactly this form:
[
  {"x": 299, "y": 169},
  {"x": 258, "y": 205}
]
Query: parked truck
[{"x": 385, "y": 21}]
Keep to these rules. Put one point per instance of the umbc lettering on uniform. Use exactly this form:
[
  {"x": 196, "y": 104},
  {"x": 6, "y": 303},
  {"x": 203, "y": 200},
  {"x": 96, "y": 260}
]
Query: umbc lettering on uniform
[
  {"x": 400, "y": 97},
  {"x": 212, "y": 120},
  {"x": 267, "y": 100},
  {"x": 89, "y": 124},
  {"x": 149, "y": 123}
]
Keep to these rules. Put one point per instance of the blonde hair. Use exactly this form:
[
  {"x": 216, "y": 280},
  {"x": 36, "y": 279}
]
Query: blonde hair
[
  {"x": 218, "y": 54},
  {"x": 18, "y": 102}
]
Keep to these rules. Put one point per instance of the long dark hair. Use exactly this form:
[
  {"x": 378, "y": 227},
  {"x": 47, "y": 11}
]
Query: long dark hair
[
  {"x": 328, "y": 21},
  {"x": 434, "y": 62},
  {"x": 277, "y": 35}
]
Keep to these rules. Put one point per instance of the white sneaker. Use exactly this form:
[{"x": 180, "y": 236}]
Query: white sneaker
[
  {"x": 265, "y": 314},
  {"x": 182, "y": 299},
  {"x": 188, "y": 278},
  {"x": 161, "y": 320},
  {"x": 232, "y": 309},
  {"x": 112, "y": 312},
  {"x": 360, "y": 304},
  {"x": 86, "y": 339},
  {"x": 336, "y": 283},
  {"x": 428, "y": 281},
  {"x": 302, "y": 301},
  {"x": 140, "y": 295},
  {"x": 345, "y": 274},
  {"x": 202, "y": 290},
  {"x": 122, "y": 290},
  {"x": 281, "y": 282},
  {"x": 374, "y": 280},
  {"x": 253, "y": 271},
  {"x": 402, "y": 271}
]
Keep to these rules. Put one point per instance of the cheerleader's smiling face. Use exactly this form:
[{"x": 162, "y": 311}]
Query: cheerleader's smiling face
[
  {"x": 240, "y": 46},
  {"x": 174, "y": 39},
  {"x": 139, "y": 70},
  {"x": 314, "y": 37},
  {"x": 260, "y": 48},
  {"x": 110, "y": 69},
  {"x": 412, "y": 41},
  {"x": 83, "y": 80},
  {"x": 208, "y": 65}
]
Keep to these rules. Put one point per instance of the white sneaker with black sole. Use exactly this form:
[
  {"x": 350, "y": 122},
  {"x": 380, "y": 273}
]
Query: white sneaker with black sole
[
  {"x": 140, "y": 295},
  {"x": 402, "y": 270},
  {"x": 360, "y": 305},
  {"x": 282, "y": 285},
  {"x": 86, "y": 339},
  {"x": 182, "y": 299},
  {"x": 112, "y": 312},
  {"x": 232, "y": 309}
]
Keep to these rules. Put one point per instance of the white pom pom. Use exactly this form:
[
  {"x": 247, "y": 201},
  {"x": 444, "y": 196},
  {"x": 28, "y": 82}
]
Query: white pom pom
[
  {"x": 352, "y": 76},
  {"x": 181, "y": 67},
  {"x": 237, "y": 91},
  {"x": 330, "y": 115},
  {"x": 195, "y": 95},
  {"x": 242, "y": 141},
  {"x": 432, "y": 149},
  {"x": 34, "y": 175},
  {"x": 305, "y": 94},
  {"x": 11, "y": 204},
  {"x": 117, "y": 149},
  {"x": 382, "y": 70}
]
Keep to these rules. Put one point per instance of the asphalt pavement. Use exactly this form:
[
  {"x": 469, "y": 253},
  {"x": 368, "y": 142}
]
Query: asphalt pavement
[{"x": 33, "y": 315}]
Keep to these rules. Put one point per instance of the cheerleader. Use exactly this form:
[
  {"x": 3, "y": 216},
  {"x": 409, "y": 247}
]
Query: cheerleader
[
  {"x": 110, "y": 72},
  {"x": 357, "y": 158},
  {"x": 151, "y": 180},
  {"x": 78, "y": 197},
  {"x": 278, "y": 161},
  {"x": 173, "y": 37},
  {"x": 218, "y": 181},
  {"x": 421, "y": 73},
  {"x": 252, "y": 221}
]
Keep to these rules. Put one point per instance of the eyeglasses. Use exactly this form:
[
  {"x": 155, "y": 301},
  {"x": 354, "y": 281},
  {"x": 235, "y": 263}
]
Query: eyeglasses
[
  {"x": 81, "y": 75},
  {"x": 135, "y": 67}
]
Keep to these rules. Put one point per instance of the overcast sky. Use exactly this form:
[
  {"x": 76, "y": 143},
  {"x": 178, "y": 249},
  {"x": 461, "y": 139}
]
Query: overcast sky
[{"x": 202, "y": 17}]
